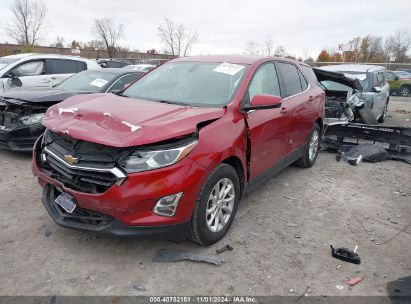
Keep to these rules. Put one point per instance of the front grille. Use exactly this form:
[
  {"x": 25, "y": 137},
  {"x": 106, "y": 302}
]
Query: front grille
[
  {"x": 95, "y": 171},
  {"x": 80, "y": 217}
]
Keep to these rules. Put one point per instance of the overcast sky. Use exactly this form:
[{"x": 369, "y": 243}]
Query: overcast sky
[{"x": 302, "y": 26}]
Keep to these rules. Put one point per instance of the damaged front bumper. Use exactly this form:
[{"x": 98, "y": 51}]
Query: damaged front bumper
[
  {"x": 20, "y": 138},
  {"x": 118, "y": 209}
]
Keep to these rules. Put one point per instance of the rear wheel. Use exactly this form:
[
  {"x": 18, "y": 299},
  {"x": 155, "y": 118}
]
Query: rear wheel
[
  {"x": 367, "y": 116},
  {"x": 311, "y": 148},
  {"x": 216, "y": 205}
]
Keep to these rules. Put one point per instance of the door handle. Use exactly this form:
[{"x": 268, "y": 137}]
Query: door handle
[
  {"x": 283, "y": 110},
  {"x": 45, "y": 80},
  {"x": 310, "y": 99}
]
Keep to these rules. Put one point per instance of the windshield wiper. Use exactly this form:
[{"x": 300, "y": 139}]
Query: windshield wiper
[{"x": 171, "y": 102}]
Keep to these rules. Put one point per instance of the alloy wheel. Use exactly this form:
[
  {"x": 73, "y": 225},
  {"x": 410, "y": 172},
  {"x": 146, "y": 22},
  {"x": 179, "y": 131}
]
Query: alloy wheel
[
  {"x": 314, "y": 143},
  {"x": 220, "y": 205}
]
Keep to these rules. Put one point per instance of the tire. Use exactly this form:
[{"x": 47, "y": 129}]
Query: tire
[
  {"x": 384, "y": 113},
  {"x": 311, "y": 148},
  {"x": 201, "y": 230},
  {"x": 404, "y": 91},
  {"x": 367, "y": 117}
]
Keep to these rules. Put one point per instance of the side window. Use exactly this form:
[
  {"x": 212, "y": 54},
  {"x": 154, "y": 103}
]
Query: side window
[
  {"x": 123, "y": 81},
  {"x": 308, "y": 71},
  {"x": 375, "y": 81},
  {"x": 304, "y": 83},
  {"x": 65, "y": 66},
  {"x": 31, "y": 68},
  {"x": 390, "y": 76},
  {"x": 291, "y": 79},
  {"x": 265, "y": 82}
]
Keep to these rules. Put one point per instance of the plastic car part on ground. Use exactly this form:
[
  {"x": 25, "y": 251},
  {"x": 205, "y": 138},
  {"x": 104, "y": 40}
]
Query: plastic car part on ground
[
  {"x": 395, "y": 140},
  {"x": 175, "y": 255},
  {"x": 227, "y": 247},
  {"x": 368, "y": 152},
  {"x": 345, "y": 254}
]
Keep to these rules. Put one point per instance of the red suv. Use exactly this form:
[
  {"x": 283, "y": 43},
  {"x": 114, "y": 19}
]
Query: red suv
[{"x": 173, "y": 153}]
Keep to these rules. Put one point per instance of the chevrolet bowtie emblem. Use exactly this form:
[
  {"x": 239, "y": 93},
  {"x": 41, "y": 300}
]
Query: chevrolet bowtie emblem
[{"x": 70, "y": 159}]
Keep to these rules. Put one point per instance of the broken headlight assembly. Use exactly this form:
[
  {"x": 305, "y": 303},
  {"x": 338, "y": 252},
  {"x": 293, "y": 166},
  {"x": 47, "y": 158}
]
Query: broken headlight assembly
[
  {"x": 144, "y": 160},
  {"x": 31, "y": 119}
]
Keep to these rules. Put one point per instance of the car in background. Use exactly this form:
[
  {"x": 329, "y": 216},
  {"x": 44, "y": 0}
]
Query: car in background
[
  {"x": 141, "y": 67},
  {"x": 39, "y": 70},
  {"x": 402, "y": 74},
  {"x": 375, "y": 88},
  {"x": 398, "y": 85},
  {"x": 21, "y": 111},
  {"x": 112, "y": 63},
  {"x": 175, "y": 151}
]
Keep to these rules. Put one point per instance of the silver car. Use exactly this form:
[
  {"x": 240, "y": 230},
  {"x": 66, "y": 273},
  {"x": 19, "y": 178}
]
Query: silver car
[{"x": 375, "y": 93}]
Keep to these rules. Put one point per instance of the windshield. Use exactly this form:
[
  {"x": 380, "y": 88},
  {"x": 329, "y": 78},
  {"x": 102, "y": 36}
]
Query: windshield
[
  {"x": 87, "y": 81},
  {"x": 6, "y": 61},
  {"x": 189, "y": 83}
]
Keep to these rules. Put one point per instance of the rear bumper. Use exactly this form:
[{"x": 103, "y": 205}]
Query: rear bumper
[
  {"x": 20, "y": 139},
  {"x": 104, "y": 224}
]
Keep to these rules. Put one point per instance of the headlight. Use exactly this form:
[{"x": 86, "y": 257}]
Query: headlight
[
  {"x": 148, "y": 160},
  {"x": 31, "y": 119}
]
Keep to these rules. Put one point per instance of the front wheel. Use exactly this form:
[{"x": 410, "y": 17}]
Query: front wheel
[
  {"x": 311, "y": 148},
  {"x": 216, "y": 205},
  {"x": 367, "y": 116},
  {"x": 384, "y": 113}
]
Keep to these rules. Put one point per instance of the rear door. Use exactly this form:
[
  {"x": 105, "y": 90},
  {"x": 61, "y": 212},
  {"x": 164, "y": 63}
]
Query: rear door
[
  {"x": 60, "y": 69},
  {"x": 297, "y": 103},
  {"x": 268, "y": 130}
]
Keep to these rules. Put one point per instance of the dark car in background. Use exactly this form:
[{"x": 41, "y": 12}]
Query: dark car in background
[
  {"x": 112, "y": 63},
  {"x": 21, "y": 111}
]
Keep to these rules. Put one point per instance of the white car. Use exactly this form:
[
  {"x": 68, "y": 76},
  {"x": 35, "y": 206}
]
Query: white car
[
  {"x": 39, "y": 70},
  {"x": 140, "y": 67}
]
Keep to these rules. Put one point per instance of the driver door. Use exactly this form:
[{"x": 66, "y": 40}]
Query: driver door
[{"x": 269, "y": 128}]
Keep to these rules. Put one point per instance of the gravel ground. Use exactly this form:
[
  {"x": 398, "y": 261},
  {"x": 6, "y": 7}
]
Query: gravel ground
[{"x": 281, "y": 237}]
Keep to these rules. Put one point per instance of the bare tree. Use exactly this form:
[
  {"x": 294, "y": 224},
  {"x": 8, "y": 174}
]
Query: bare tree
[
  {"x": 108, "y": 32},
  {"x": 252, "y": 48},
  {"x": 176, "y": 37},
  {"x": 27, "y": 22},
  {"x": 398, "y": 44},
  {"x": 280, "y": 51},
  {"x": 268, "y": 46},
  {"x": 59, "y": 42}
]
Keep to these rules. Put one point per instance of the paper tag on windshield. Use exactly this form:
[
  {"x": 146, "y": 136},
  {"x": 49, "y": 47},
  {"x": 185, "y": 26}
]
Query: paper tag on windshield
[
  {"x": 98, "y": 82},
  {"x": 228, "y": 68}
]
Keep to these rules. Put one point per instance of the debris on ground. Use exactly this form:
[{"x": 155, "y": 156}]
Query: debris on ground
[
  {"x": 368, "y": 152},
  {"x": 291, "y": 225},
  {"x": 227, "y": 247},
  {"x": 355, "y": 281},
  {"x": 396, "y": 141},
  {"x": 305, "y": 294},
  {"x": 400, "y": 287},
  {"x": 47, "y": 232},
  {"x": 340, "y": 287},
  {"x": 290, "y": 198},
  {"x": 175, "y": 255},
  {"x": 139, "y": 287},
  {"x": 345, "y": 254}
]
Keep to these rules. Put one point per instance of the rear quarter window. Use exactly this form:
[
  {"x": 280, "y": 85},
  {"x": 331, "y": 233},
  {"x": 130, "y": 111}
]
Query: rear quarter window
[
  {"x": 65, "y": 66},
  {"x": 291, "y": 79},
  {"x": 309, "y": 73}
]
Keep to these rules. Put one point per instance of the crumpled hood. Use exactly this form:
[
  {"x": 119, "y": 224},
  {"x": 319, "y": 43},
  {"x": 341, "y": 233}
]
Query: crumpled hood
[
  {"x": 40, "y": 95},
  {"x": 338, "y": 77},
  {"x": 117, "y": 121}
]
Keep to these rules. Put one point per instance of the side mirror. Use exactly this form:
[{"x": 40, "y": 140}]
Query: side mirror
[
  {"x": 376, "y": 90},
  {"x": 16, "y": 81},
  {"x": 397, "y": 78},
  {"x": 261, "y": 102}
]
